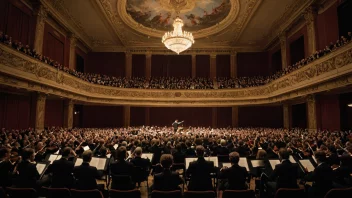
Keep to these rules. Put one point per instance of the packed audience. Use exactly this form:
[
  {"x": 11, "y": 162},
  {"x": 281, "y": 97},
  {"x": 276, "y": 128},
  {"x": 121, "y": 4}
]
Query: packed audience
[
  {"x": 20, "y": 150},
  {"x": 175, "y": 82}
]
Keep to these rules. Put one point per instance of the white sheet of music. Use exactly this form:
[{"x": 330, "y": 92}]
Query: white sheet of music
[
  {"x": 101, "y": 163},
  {"x": 213, "y": 159},
  {"x": 52, "y": 158},
  {"x": 228, "y": 165},
  {"x": 86, "y": 148},
  {"x": 147, "y": 156},
  {"x": 94, "y": 162},
  {"x": 243, "y": 162},
  {"x": 256, "y": 163},
  {"x": 307, "y": 164},
  {"x": 115, "y": 146},
  {"x": 79, "y": 161},
  {"x": 189, "y": 160},
  {"x": 292, "y": 160},
  {"x": 40, "y": 168},
  {"x": 273, "y": 163}
]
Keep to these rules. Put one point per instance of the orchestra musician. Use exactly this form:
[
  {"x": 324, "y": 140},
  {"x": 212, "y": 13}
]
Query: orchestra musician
[{"x": 176, "y": 124}]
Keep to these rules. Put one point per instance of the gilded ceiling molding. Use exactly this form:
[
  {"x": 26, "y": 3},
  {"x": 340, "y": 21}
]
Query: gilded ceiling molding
[{"x": 127, "y": 19}]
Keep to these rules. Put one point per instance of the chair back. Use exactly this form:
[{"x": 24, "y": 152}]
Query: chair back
[
  {"x": 86, "y": 193},
  {"x": 199, "y": 194},
  {"x": 2, "y": 193},
  {"x": 238, "y": 194},
  {"x": 121, "y": 182},
  {"x": 289, "y": 193},
  {"x": 125, "y": 193},
  {"x": 140, "y": 174},
  {"x": 21, "y": 192},
  {"x": 57, "y": 192},
  {"x": 168, "y": 194},
  {"x": 339, "y": 192}
]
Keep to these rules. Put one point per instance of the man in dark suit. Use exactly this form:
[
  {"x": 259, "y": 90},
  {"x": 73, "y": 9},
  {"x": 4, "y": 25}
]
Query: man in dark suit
[
  {"x": 285, "y": 174},
  {"x": 236, "y": 175},
  {"x": 85, "y": 174},
  {"x": 179, "y": 156},
  {"x": 167, "y": 180},
  {"x": 322, "y": 176},
  {"x": 222, "y": 149},
  {"x": 6, "y": 168},
  {"x": 28, "y": 175},
  {"x": 199, "y": 171},
  {"x": 176, "y": 124},
  {"x": 139, "y": 161},
  {"x": 62, "y": 170},
  {"x": 156, "y": 149},
  {"x": 120, "y": 168}
]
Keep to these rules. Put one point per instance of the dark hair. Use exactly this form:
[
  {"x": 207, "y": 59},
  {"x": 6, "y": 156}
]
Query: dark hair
[
  {"x": 284, "y": 154},
  {"x": 66, "y": 151},
  {"x": 3, "y": 152},
  {"x": 166, "y": 160},
  {"x": 320, "y": 156},
  {"x": 27, "y": 153},
  {"x": 103, "y": 150},
  {"x": 121, "y": 153},
  {"x": 234, "y": 157},
  {"x": 87, "y": 155},
  {"x": 200, "y": 151}
]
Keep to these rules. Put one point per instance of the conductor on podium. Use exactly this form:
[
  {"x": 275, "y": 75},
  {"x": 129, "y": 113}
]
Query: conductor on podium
[{"x": 176, "y": 125}]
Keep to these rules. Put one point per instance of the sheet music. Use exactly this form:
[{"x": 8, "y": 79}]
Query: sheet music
[
  {"x": 147, "y": 156},
  {"x": 40, "y": 168},
  {"x": 57, "y": 152},
  {"x": 79, "y": 161},
  {"x": 189, "y": 160},
  {"x": 257, "y": 163},
  {"x": 101, "y": 163},
  {"x": 115, "y": 146},
  {"x": 213, "y": 159},
  {"x": 243, "y": 162},
  {"x": 52, "y": 158},
  {"x": 228, "y": 165},
  {"x": 94, "y": 162},
  {"x": 273, "y": 163},
  {"x": 292, "y": 160},
  {"x": 86, "y": 148},
  {"x": 307, "y": 164},
  {"x": 108, "y": 155}
]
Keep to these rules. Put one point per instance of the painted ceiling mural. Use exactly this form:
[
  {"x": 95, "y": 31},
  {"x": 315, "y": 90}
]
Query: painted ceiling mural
[{"x": 196, "y": 14}]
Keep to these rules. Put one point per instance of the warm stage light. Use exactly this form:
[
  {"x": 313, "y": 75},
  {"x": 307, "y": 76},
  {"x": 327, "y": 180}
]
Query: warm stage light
[{"x": 350, "y": 105}]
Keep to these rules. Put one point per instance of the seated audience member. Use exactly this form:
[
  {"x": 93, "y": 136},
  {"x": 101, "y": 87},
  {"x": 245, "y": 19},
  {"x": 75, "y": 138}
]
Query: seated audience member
[
  {"x": 322, "y": 176},
  {"x": 6, "y": 168},
  {"x": 167, "y": 180},
  {"x": 199, "y": 172},
  {"x": 62, "y": 171},
  {"x": 139, "y": 161},
  {"x": 190, "y": 152},
  {"x": 179, "y": 156},
  {"x": 236, "y": 175},
  {"x": 156, "y": 150},
  {"x": 285, "y": 174},
  {"x": 28, "y": 175},
  {"x": 121, "y": 167},
  {"x": 85, "y": 174},
  {"x": 222, "y": 149}
]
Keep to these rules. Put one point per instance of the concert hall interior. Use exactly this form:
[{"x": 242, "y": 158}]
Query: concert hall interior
[{"x": 179, "y": 98}]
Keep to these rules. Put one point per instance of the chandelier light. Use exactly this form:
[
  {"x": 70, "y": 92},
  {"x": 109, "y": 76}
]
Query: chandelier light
[{"x": 178, "y": 40}]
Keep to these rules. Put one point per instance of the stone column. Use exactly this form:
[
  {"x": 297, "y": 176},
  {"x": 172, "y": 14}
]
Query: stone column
[
  {"x": 40, "y": 112},
  {"x": 41, "y": 14},
  {"x": 194, "y": 65},
  {"x": 287, "y": 116},
  {"x": 126, "y": 116},
  {"x": 310, "y": 17},
  {"x": 68, "y": 114},
  {"x": 214, "y": 120},
  {"x": 72, "y": 57},
  {"x": 233, "y": 65},
  {"x": 148, "y": 65},
  {"x": 212, "y": 66},
  {"x": 283, "y": 45},
  {"x": 235, "y": 116},
  {"x": 128, "y": 64},
  {"x": 311, "y": 113}
]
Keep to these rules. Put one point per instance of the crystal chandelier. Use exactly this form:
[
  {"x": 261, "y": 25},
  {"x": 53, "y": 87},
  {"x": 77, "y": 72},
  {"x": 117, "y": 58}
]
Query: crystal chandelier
[{"x": 178, "y": 40}]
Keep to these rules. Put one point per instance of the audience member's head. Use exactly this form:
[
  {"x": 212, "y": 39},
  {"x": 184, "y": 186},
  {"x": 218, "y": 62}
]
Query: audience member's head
[
  {"x": 234, "y": 157},
  {"x": 4, "y": 153},
  {"x": 121, "y": 154},
  {"x": 261, "y": 154},
  {"x": 284, "y": 154},
  {"x": 166, "y": 160},
  {"x": 28, "y": 154},
  {"x": 138, "y": 152},
  {"x": 66, "y": 152},
  {"x": 87, "y": 156},
  {"x": 320, "y": 156},
  {"x": 200, "y": 151}
]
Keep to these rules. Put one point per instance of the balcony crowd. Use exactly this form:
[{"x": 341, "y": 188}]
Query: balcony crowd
[
  {"x": 21, "y": 150},
  {"x": 175, "y": 82}
]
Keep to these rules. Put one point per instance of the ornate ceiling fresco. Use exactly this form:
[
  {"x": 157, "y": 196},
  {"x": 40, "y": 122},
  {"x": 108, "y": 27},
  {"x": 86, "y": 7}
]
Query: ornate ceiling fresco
[{"x": 138, "y": 25}]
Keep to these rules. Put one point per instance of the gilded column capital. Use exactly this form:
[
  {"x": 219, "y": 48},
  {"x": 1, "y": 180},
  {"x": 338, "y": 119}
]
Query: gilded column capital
[
  {"x": 213, "y": 55},
  {"x": 73, "y": 39},
  {"x": 233, "y": 53},
  {"x": 148, "y": 54},
  {"x": 309, "y": 14},
  {"x": 41, "y": 12}
]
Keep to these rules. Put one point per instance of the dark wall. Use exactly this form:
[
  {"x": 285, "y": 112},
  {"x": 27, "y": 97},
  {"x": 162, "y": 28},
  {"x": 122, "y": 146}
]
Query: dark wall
[
  {"x": 224, "y": 117},
  {"x": 260, "y": 116},
  {"x": 81, "y": 60},
  {"x": 292, "y": 38},
  {"x": 15, "y": 111},
  {"x": 344, "y": 17},
  {"x": 138, "y": 116},
  {"x": 223, "y": 66},
  {"x": 138, "y": 65},
  {"x": 328, "y": 112},
  {"x": 327, "y": 27},
  {"x": 106, "y": 63},
  {"x": 17, "y": 21},
  {"x": 276, "y": 62},
  {"x": 345, "y": 111},
  {"x": 299, "y": 116},
  {"x": 172, "y": 65},
  {"x": 297, "y": 50},
  {"x": 102, "y": 116},
  {"x": 253, "y": 64},
  {"x": 54, "y": 45},
  {"x": 202, "y": 66},
  {"x": 54, "y": 113}
]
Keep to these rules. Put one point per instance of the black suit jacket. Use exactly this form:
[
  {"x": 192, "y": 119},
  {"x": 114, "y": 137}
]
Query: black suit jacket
[
  {"x": 322, "y": 178},
  {"x": 179, "y": 157},
  {"x": 122, "y": 168},
  {"x": 141, "y": 162},
  {"x": 62, "y": 171},
  {"x": 200, "y": 171},
  {"x": 27, "y": 175},
  {"x": 236, "y": 176},
  {"x": 221, "y": 150},
  {"x": 6, "y": 169},
  {"x": 156, "y": 150},
  {"x": 86, "y": 176},
  {"x": 167, "y": 181},
  {"x": 286, "y": 175}
]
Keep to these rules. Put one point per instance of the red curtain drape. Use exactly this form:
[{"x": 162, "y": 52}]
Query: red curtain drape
[
  {"x": 106, "y": 63},
  {"x": 138, "y": 65},
  {"x": 172, "y": 65},
  {"x": 252, "y": 64},
  {"x": 54, "y": 113},
  {"x": 328, "y": 112},
  {"x": 327, "y": 27},
  {"x": 260, "y": 116},
  {"x": 102, "y": 116},
  {"x": 223, "y": 66},
  {"x": 202, "y": 66}
]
